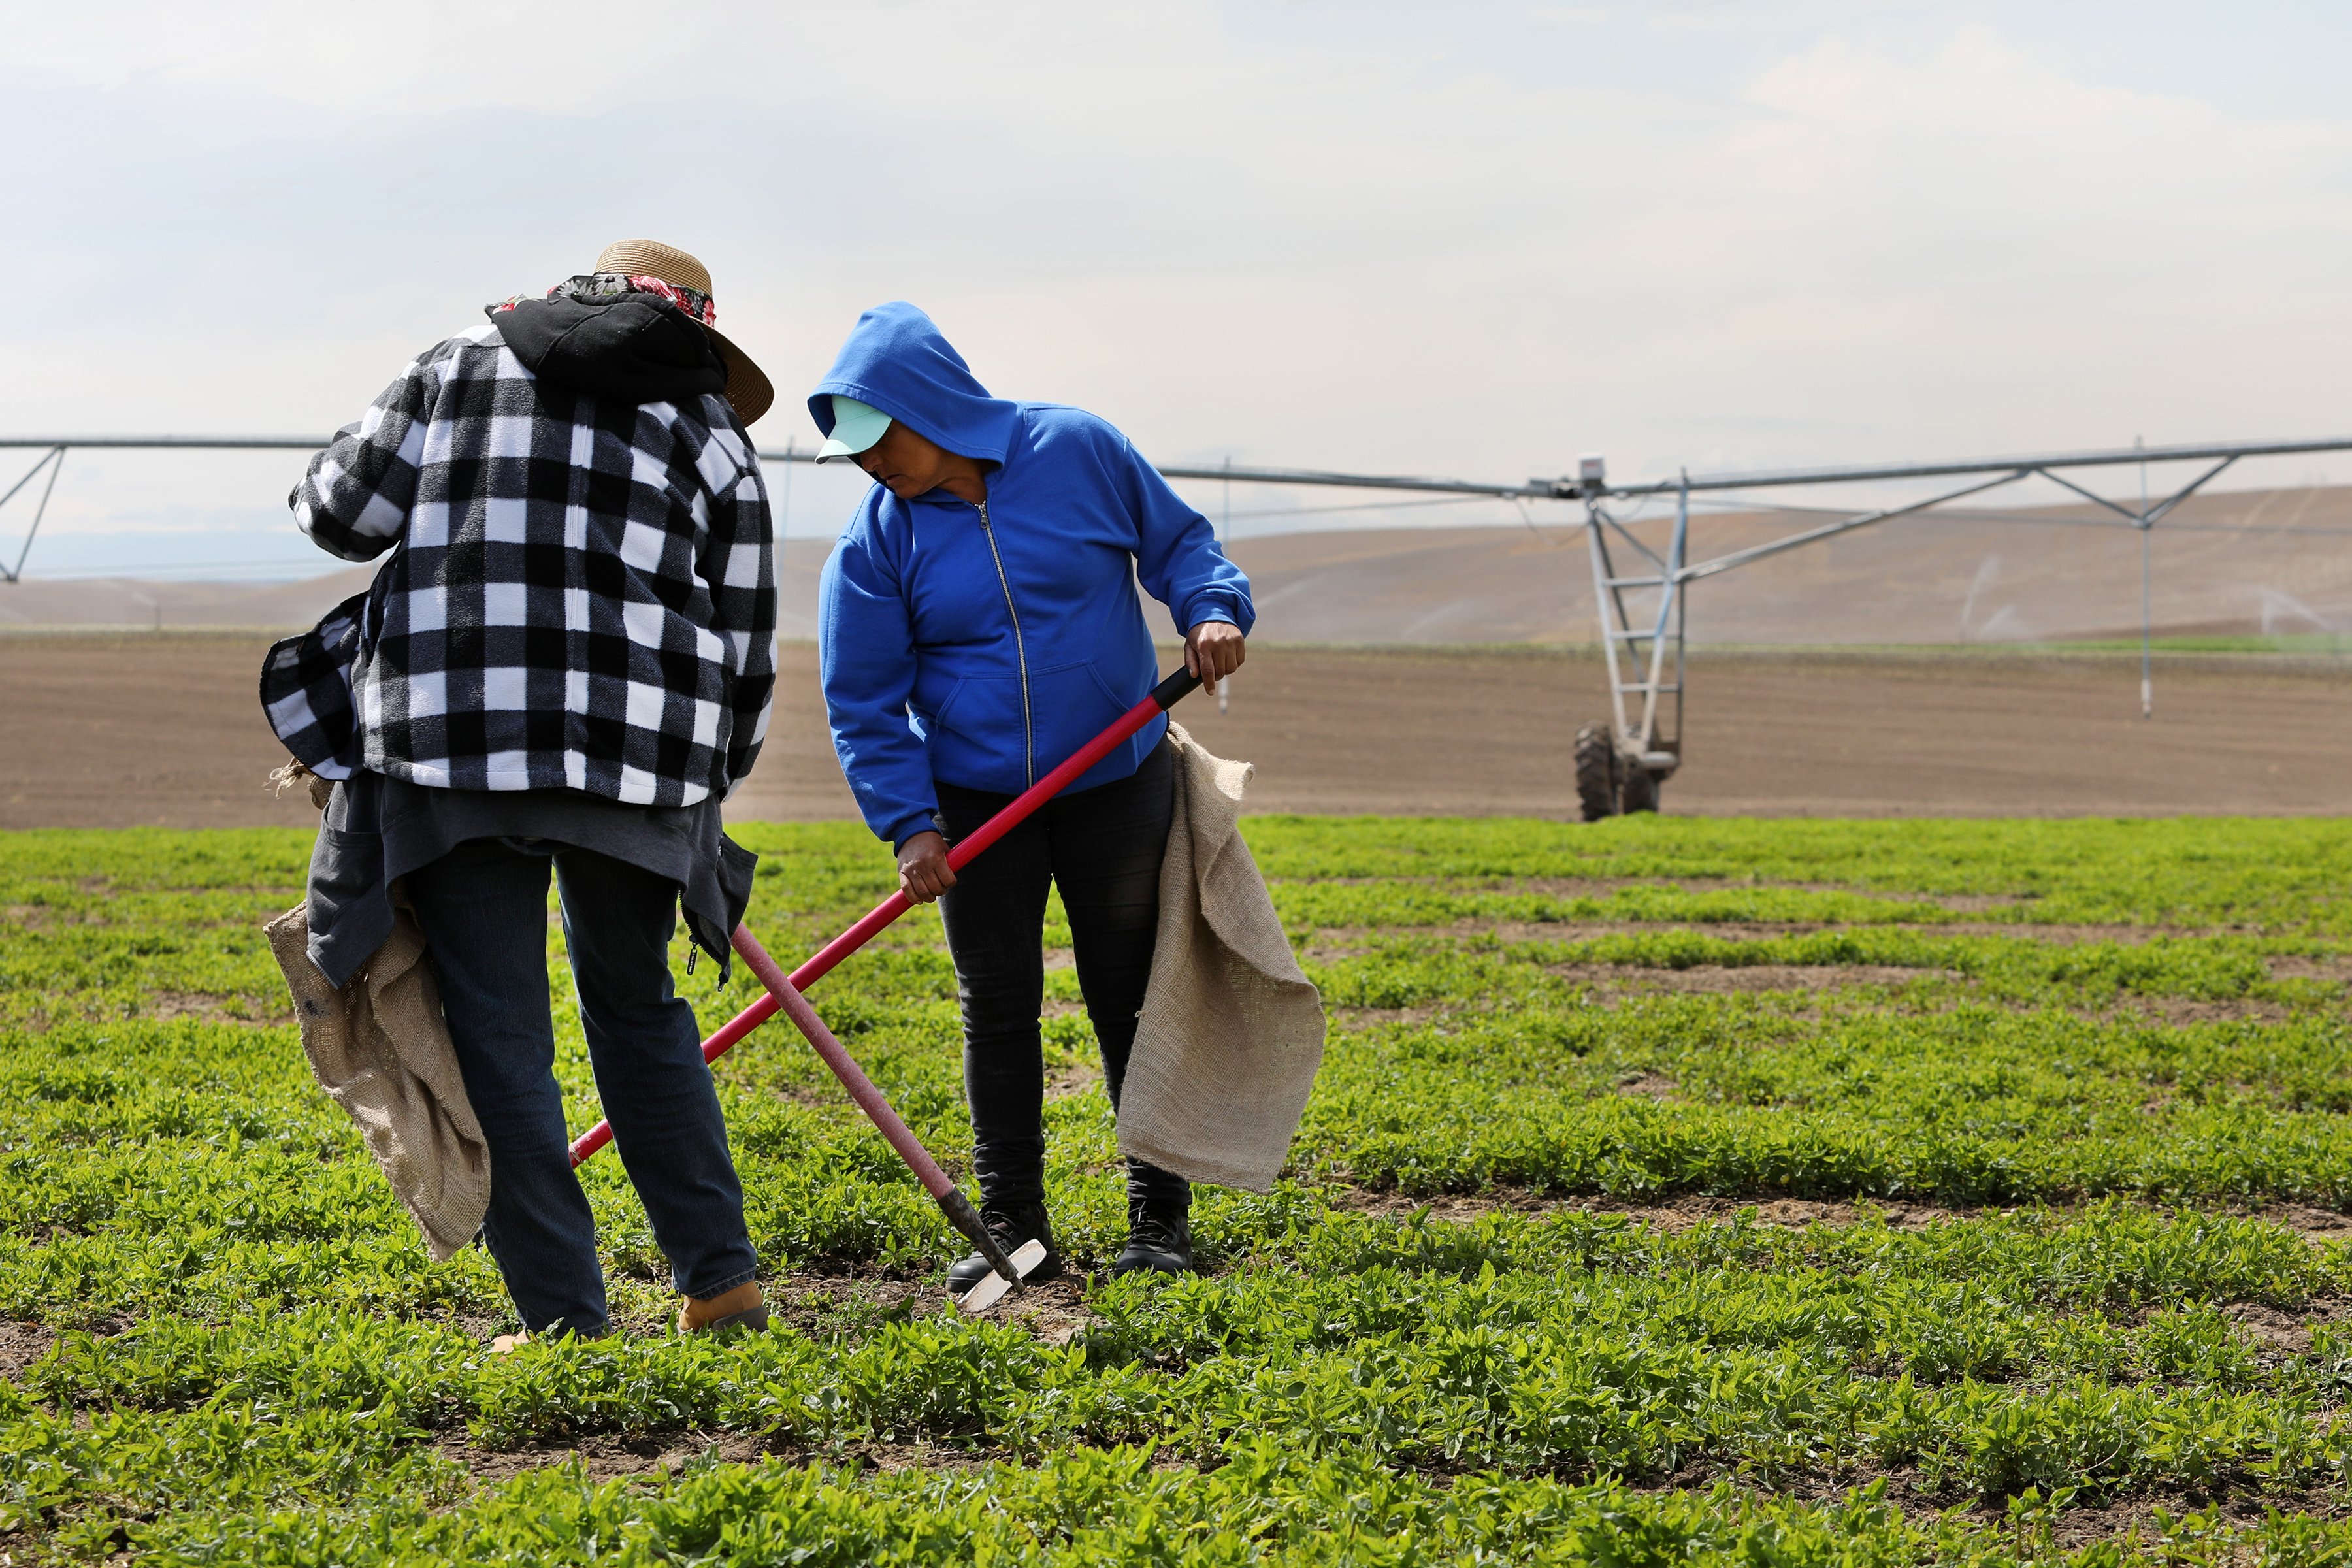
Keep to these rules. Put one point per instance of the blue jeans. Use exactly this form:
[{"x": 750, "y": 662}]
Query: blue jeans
[{"x": 483, "y": 908}]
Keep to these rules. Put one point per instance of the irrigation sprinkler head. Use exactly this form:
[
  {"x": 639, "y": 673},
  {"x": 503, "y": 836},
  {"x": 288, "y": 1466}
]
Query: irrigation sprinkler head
[{"x": 993, "y": 1286}]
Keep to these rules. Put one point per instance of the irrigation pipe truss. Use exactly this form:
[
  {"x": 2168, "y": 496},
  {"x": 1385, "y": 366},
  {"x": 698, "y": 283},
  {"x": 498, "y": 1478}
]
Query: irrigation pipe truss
[{"x": 1621, "y": 769}]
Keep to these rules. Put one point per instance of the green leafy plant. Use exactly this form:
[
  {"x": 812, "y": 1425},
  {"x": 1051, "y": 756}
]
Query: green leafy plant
[{"x": 2066, "y": 1104}]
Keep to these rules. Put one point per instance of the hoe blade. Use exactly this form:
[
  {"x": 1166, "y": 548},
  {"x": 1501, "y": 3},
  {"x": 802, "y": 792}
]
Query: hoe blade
[{"x": 992, "y": 1290}]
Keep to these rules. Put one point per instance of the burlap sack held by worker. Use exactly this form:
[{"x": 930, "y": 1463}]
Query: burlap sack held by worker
[
  {"x": 381, "y": 1050},
  {"x": 1232, "y": 1030}
]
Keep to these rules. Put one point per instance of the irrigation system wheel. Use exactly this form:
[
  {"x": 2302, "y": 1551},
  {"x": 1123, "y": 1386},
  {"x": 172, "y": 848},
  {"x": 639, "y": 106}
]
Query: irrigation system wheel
[
  {"x": 1596, "y": 770},
  {"x": 1637, "y": 790}
]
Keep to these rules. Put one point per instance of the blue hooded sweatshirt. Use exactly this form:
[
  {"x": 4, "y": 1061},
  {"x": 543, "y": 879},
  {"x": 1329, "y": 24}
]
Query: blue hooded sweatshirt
[{"x": 939, "y": 666}]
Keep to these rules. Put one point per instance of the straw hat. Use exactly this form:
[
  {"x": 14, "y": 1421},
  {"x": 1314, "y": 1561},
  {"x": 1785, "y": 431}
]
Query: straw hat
[{"x": 747, "y": 388}]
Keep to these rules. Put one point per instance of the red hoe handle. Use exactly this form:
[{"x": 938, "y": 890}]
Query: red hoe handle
[{"x": 787, "y": 996}]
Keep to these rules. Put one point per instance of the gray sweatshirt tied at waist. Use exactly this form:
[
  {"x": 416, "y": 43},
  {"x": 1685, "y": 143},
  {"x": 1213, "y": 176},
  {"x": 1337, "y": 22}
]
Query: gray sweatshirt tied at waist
[{"x": 377, "y": 829}]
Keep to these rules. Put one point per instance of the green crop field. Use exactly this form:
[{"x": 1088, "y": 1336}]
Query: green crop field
[{"x": 1675, "y": 1192}]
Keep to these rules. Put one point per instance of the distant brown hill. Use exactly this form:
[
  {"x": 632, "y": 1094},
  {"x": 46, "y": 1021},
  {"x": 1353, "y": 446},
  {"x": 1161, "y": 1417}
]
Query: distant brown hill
[
  {"x": 2252, "y": 561},
  {"x": 2273, "y": 562}
]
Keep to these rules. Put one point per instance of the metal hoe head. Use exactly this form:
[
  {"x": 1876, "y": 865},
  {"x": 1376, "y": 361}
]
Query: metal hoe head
[{"x": 993, "y": 1288}]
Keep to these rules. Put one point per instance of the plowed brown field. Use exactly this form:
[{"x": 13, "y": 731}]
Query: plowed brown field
[{"x": 107, "y": 732}]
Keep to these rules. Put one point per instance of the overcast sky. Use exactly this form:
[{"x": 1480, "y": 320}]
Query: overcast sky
[{"x": 1471, "y": 238}]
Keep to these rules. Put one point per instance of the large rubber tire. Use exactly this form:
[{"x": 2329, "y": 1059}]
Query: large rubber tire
[
  {"x": 1639, "y": 792},
  {"x": 1596, "y": 771}
]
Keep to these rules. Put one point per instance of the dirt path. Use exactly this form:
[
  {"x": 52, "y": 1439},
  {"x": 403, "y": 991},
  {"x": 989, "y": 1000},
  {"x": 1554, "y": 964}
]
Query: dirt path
[{"x": 121, "y": 731}]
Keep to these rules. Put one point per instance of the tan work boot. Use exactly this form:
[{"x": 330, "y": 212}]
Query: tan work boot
[
  {"x": 507, "y": 1344},
  {"x": 742, "y": 1310}
]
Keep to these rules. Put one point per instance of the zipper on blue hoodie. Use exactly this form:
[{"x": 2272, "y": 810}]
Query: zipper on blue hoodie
[{"x": 1019, "y": 646}]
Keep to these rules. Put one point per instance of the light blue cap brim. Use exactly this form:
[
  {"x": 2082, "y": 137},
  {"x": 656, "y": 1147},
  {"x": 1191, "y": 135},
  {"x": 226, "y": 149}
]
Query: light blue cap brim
[{"x": 856, "y": 426}]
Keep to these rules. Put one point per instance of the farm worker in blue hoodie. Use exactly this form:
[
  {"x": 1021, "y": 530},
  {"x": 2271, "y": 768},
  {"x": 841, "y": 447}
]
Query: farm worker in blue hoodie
[{"x": 979, "y": 624}]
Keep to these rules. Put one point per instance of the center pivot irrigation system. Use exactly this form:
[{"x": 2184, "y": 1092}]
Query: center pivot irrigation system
[{"x": 1620, "y": 761}]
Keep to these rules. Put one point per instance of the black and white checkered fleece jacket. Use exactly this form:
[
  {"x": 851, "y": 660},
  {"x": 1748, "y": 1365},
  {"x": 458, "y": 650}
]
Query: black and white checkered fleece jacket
[{"x": 582, "y": 595}]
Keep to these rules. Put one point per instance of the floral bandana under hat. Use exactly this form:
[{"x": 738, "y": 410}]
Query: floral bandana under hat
[{"x": 589, "y": 287}]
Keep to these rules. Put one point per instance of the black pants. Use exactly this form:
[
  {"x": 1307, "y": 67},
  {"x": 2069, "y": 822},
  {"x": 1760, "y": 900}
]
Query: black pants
[{"x": 1102, "y": 848}]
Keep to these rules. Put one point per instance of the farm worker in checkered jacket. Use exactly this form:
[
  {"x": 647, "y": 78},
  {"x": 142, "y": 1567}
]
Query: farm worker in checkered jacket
[
  {"x": 565, "y": 664},
  {"x": 978, "y": 624}
]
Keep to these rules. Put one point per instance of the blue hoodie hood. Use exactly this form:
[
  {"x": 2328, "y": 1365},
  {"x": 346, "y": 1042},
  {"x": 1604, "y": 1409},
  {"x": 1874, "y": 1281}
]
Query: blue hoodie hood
[
  {"x": 979, "y": 645},
  {"x": 896, "y": 361}
]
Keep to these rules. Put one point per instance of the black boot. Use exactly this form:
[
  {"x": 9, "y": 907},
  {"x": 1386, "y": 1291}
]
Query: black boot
[
  {"x": 1158, "y": 1236},
  {"x": 1011, "y": 1224}
]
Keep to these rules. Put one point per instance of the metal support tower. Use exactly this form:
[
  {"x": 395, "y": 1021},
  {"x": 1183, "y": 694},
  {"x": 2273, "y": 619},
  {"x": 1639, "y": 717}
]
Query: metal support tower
[
  {"x": 1645, "y": 756},
  {"x": 1635, "y": 635}
]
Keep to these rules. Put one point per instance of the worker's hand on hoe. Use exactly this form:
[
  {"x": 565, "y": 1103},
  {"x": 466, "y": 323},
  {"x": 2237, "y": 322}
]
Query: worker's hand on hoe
[
  {"x": 923, "y": 869},
  {"x": 1212, "y": 650}
]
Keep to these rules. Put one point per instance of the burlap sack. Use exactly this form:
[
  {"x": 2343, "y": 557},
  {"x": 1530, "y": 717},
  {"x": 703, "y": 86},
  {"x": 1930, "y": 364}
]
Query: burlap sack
[
  {"x": 1232, "y": 1029},
  {"x": 381, "y": 1050}
]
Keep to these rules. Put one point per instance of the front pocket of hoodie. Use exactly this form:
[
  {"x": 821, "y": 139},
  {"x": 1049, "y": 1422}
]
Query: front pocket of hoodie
[
  {"x": 933, "y": 713},
  {"x": 1118, "y": 703},
  {"x": 1074, "y": 704},
  {"x": 976, "y": 737},
  {"x": 981, "y": 706}
]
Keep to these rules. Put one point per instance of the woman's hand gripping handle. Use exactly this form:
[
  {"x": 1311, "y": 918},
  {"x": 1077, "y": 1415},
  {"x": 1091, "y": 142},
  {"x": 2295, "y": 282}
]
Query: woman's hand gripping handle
[
  {"x": 1212, "y": 650},
  {"x": 923, "y": 869}
]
